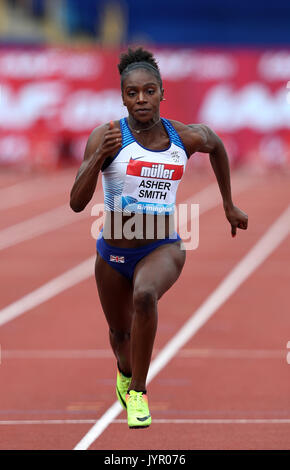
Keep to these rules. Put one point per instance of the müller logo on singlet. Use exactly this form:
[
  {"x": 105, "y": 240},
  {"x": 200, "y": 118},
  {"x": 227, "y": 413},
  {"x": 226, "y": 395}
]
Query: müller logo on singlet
[
  {"x": 157, "y": 171},
  {"x": 154, "y": 170}
]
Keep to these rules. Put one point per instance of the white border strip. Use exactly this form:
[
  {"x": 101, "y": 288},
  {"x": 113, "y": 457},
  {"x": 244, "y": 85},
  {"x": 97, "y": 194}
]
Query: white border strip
[{"x": 253, "y": 259}]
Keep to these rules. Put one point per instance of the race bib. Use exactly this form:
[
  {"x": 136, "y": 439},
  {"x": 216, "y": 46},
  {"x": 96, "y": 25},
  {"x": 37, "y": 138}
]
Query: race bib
[{"x": 150, "y": 187}]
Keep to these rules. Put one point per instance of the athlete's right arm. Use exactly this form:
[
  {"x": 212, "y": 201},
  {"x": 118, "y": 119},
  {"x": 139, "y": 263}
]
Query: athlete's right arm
[{"x": 103, "y": 142}]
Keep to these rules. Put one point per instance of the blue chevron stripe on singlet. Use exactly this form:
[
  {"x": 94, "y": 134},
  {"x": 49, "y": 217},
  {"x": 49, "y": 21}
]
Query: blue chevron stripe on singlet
[
  {"x": 173, "y": 134},
  {"x": 127, "y": 137}
]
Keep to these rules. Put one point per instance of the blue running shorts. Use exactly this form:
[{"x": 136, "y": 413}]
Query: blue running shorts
[{"x": 124, "y": 260}]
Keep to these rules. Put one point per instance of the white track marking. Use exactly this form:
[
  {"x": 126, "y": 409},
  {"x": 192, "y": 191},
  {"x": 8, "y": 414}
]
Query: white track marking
[
  {"x": 57, "y": 354},
  {"x": 52, "y": 288},
  {"x": 250, "y": 262},
  {"x": 38, "y": 225},
  {"x": 61, "y": 216},
  {"x": 233, "y": 353},
  {"x": 210, "y": 197},
  {"x": 71, "y": 277},
  {"x": 156, "y": 421},
  {"x": 108, "y": 353},
  {"x": 43, "y": 223},
  {"x": 34, "y": 188}
]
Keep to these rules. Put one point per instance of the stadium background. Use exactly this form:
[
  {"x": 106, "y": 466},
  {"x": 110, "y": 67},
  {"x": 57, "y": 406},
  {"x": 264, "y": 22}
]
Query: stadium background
[{"x": 223, "y": 64}]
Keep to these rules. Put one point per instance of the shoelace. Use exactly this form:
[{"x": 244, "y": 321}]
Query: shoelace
[{"x": 137, "y": 401}]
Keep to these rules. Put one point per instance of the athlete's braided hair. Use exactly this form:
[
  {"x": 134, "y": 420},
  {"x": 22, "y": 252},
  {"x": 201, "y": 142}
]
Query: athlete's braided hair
[{"x": 138, "y": 58}]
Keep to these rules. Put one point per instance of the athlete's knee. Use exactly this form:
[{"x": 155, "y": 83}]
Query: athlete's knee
[
  {"x": 144, "y": 299},
  {"x": 119, "y": 336}
]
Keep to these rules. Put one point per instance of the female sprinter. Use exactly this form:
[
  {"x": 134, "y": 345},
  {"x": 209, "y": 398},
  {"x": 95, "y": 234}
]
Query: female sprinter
[{"x": 142, "y": 159}]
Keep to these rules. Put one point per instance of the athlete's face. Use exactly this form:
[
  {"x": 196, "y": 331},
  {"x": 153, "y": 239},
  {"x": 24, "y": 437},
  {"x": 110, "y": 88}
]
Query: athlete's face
[{"x": 142, "y": 95}]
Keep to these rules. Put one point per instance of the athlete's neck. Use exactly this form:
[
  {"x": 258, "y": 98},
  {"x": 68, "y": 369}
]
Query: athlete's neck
[{"x": 138, "y": 127}]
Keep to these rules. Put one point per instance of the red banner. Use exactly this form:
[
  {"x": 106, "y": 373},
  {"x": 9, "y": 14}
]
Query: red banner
[{"x": 51, "y": 99}]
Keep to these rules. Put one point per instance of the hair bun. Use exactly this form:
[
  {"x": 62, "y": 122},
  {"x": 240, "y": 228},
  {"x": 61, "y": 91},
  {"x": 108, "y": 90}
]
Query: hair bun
[{"x": 137, "y": 55}]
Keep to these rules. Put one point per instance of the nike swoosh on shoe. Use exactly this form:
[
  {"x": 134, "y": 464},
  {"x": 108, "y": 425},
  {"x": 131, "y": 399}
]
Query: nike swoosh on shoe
[{"x": 144, "y": 418}]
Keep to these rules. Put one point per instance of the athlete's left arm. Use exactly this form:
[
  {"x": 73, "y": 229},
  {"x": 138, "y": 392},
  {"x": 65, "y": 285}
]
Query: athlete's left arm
[{"x": 206, "y": 141}]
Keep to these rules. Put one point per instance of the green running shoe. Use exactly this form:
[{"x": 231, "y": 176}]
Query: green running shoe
[
  {"x": 138, "y": 413},
  {"x": 122, "y": 386}
]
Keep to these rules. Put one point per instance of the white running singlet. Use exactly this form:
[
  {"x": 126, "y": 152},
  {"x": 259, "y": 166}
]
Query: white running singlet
[{"x": 140, "y": 180}]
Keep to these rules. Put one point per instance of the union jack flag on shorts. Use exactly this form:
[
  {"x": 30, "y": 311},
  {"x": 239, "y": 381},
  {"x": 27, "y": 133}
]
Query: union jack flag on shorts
[{"x": 117, "y": 259}]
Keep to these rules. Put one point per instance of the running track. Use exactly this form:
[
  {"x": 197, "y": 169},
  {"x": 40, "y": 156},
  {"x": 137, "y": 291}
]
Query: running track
[{"x": 226, "y": 387}]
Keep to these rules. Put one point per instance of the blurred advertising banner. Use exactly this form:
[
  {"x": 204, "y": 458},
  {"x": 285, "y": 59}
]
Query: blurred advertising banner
[{"x": 52, "y": 98}]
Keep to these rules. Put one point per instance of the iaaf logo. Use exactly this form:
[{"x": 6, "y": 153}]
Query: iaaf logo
[{"x": 155, "y": 170}]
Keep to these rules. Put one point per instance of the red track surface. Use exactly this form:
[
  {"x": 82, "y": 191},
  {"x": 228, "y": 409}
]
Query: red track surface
[{"x": 233, "y": 368}]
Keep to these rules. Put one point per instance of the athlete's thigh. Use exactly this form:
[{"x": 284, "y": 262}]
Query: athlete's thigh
[
  {"x": 160, "y": 269},
  {"x": 116, "y": 295}
]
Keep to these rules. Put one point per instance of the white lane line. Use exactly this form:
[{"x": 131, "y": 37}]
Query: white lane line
[
  {"x": 38, "y": 225},
  {"x": 108, "y": 354},
  {"x": 34, "y": 188},
  {"x": 43, "y": 223},
  {"x": 57, "y": 354},
  {"x": 52, "y": 288},
  {"x": 233, "y": 353},
  {"x": 61, "y": 216},
  {"x": 250, "y": 262},
  {"x": 71, "y": 277},
  {"x": 156, "y": 421},
  {"x": 210, "y": 197}
]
